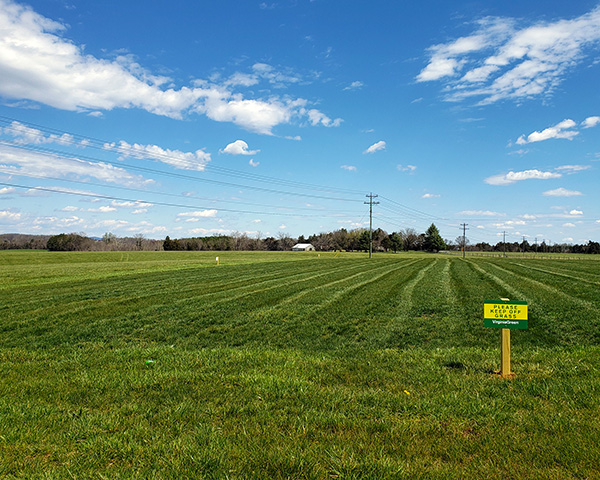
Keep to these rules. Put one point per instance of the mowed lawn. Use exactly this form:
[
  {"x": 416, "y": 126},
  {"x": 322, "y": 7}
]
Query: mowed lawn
[{"x": 294, "y": 365}]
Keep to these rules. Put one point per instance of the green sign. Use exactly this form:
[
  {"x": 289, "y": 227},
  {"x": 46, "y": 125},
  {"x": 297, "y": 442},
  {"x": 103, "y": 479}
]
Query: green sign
[{"x": 505, "y": 314}]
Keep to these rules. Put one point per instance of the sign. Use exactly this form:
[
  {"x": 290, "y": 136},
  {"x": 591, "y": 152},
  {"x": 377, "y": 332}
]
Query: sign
[{"x": 505, "y": 314}]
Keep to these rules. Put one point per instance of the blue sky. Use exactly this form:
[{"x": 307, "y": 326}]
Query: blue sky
[{"x": 201, "y": 118}]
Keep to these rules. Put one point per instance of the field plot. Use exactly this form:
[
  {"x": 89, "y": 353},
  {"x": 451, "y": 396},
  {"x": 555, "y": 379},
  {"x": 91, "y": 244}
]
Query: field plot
[{"x": 291, "y": 365}]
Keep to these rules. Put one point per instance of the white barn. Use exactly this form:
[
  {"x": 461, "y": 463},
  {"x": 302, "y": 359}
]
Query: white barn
[{"x": 303, "y": 247}]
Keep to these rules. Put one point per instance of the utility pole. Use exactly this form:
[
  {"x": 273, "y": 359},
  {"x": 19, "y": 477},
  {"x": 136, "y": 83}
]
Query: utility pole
[
  {"x": 523, "y": 245},
  {"x": 464, "y": 241},
  {"x": 371, "y": 203},
  {"x": 504, "y": 242}
]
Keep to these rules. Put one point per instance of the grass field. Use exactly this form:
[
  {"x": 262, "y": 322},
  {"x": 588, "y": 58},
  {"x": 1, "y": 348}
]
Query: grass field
[{"x": 290, "y": 365}]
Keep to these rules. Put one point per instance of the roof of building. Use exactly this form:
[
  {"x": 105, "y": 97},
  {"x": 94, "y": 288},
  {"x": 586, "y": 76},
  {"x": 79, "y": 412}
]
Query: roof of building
[{"x": 303, "y": 245}]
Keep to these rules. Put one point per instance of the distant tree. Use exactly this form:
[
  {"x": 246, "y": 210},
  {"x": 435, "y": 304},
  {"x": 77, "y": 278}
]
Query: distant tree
[
  {"x": 410, "y": 239},
  {"x": 284, "y": 241},
  {"x": 394, "y": 241},
  {"x": 363, "y": 241},
  {"x": 169, "y": 244},
  {"x": 433, "y": 241},
  {"x": 593, "y": 247},
  {"x": 69, "y": 242},
  {"x": 139, "y": 241}
]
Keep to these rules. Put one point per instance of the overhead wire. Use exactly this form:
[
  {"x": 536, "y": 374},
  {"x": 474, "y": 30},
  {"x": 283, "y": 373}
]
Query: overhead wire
[
  {"x": 130, "y": 152},
  {"x": 123, "y": 199}
]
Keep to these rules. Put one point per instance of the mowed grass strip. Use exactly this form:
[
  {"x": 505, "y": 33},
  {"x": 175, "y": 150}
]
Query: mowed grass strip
[
  {"x": 94, "y": 412},
  {"x": 294, "y": 366},
  {"x": 561, "y": 312}
]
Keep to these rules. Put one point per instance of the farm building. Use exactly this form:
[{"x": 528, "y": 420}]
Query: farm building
[{"x": 303, "y": 247}]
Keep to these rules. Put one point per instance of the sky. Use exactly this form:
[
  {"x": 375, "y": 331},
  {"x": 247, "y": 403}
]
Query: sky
[{"x": 279, "y": 118}]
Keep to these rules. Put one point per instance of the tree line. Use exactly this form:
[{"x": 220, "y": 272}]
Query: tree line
[{"x": 407, "y": 239}]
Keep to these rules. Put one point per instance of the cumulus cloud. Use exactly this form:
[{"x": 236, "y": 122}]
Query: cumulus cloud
[
  {"x": 575, "y": 212},
  {"x": 512, "y": 177},
  {"x": 504, "y": 60},
  {"x": 252, "y": 163},
  {"x": 7, "y": 190},
  {"x": 380, "y": 145},
  {"x": 199, "y": 214},
  {"x": 38, "y": 64},
  {"x": 563, "y": 129},
  {"x": 183, "y": 160},
  {"x": 239, "y": 147},
  {"x": 316, "y": 117},
  {"x": 8, "y": 216},
  {"x": 350, "y": 168},
  {"x": 430, "y": 195},
  {"x": 590, "y": 122},
  {"x": 561, "y": 192}
]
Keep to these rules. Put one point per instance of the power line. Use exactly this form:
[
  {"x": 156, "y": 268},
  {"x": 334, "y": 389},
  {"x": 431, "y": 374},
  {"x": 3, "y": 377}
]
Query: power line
[
  {"x": 167, "y": 204},
  {"x": 128, "y": 151}
]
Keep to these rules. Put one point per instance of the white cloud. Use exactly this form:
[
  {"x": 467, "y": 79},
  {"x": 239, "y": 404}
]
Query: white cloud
[
  {"x": 590, "y": 122},
  {"x": 102, "y": 209},
  {"x": 571, "y": 225},
  {"x": 568, "y": 239},
  {"x": 7, "y": 215},
  {"x": 282, "y": 227},
  {"x": 560, "y": 130},
  {"x": 19, "y": 162},
  {"x": 350, "y": 168},
  {"x": 183, "y": 160},
  {"x": 561, "y": 192},
  {"x": 70, "y": 208},
  {"x": 501, "y": 60},
  {"x": 24, "y": 135},
  {"x": 316, "y": 117},
  {"x": 575, "y": 212},
  {"x": 127, "y": 204},
  {"x": 37, "y": 63},
  {"x": 512, "y": 177},
  {"x": 355, "y": 85},
  {"x": 406, "y": 168},
  {"x": 239, "y": 147},
  {"x": 482, "y": 213},
  {"x": 252, "y": 163},
  {"x": 380, "y": 145},
  {"x": 7, "y": 190},
  {"x": 199, "y": 214},
  {"x": 569, "y": 169},
  {"x": 204, "y": 231},
  {"x": 430, "y": 195}
]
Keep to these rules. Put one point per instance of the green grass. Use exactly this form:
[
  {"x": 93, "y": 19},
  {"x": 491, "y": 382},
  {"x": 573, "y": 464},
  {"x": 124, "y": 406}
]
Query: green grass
[{"x": 293, "y": 366}]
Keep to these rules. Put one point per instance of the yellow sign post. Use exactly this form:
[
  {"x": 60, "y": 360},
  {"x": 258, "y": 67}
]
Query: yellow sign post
[{"x": 507, "y": 315}]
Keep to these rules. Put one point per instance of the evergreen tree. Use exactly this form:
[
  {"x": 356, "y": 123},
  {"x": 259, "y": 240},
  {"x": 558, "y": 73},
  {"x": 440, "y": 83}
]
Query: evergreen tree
[{"x": 433, "y": 241}]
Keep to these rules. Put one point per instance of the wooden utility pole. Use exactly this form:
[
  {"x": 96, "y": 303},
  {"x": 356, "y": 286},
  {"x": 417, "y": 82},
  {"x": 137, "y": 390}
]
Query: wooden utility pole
[
  {"x": 464, "y": 240},
  {"x": 371, "y": 203}
]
